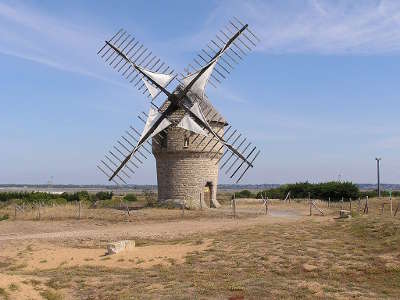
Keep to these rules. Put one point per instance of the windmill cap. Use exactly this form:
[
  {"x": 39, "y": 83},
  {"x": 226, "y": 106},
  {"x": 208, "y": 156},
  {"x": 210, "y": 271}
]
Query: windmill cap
[{"x": 210, "y": 112}]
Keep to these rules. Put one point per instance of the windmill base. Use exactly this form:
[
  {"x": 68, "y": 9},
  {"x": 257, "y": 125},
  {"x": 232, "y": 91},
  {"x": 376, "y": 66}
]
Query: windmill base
[{"x": 188, "y": 178}]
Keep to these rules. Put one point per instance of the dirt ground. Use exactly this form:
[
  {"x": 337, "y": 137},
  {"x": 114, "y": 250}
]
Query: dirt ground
[{"x": 204, "y": 254}]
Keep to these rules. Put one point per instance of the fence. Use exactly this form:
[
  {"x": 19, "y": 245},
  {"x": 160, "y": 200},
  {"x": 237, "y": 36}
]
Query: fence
[{"x": 389, "y": 206}]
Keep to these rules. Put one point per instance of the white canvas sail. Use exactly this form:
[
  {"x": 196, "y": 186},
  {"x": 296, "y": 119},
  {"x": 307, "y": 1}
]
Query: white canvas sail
[
  {"x": 189, "y": 124},
  {"x": 154, "y": 91},
  {"x": 152, "y": 118},
  {"x": 161, "y": 79},
  {"x": 199, "y": 86},
  {"x": 164, "y": 124},
  {"x": 196, "y": 110}
]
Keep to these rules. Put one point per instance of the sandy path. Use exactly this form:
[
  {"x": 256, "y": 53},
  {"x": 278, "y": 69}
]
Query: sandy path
[{"x": 171, "y": 229}]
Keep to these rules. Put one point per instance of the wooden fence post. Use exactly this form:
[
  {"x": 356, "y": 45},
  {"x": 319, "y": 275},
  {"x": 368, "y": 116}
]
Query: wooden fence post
[
  {"x": 79, "y": 210},
  {"x": 309, "y": 201},
  {"x": 234, "y": 206},
  {"x": 397, "y": 208},
  {"x": 201, "y": 203},
  {"x": 266, "y": 205},
  {"x": 391, "y": 204},
  {"x": 341, "y": 204},
  {"x": 359, "y": 205},
  {"x": 38, "y": 207},
  {"x": 366, "y": 206},
  {"x": 350, "y": 204},
  {"x": 320, "y": 210},
  {"x": 329, "y": 202}
]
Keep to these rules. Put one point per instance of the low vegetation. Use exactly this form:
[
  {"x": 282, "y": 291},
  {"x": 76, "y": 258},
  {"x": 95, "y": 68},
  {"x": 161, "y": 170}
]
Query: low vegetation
[
  {"x": 374, "y": 193},
  {"x": 4, "y": 217},
  {"x": 130, "y": 197},
  {"x": 333, "y": 190},
  {"x": 244, "y": 194},
  {"x": 49, "y": 198}
]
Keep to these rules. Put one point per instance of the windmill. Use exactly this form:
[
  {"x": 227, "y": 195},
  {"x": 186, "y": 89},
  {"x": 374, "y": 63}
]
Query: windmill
[{"x": 188, "y": 137}]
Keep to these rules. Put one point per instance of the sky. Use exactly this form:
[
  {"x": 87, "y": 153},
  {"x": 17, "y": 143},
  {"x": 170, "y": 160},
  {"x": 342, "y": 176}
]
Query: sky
[{"x": 319, "y": 95}]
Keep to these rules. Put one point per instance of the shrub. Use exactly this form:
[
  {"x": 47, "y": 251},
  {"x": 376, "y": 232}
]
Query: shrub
[
  {"x": 47, "y": 198},
  {"x": 244, "y": 194},
  {"x": 4, "y": 217},
  {"x": 130, "y": 197},
  {"x": 77, "y": 196},
  {"x": 59, "y": 201},
  {"x": 104, "y": 195},
  {"x": 374, "y": 193},
  {"x": 334, "y": 190},
  {"x": 150, "y": 198}
]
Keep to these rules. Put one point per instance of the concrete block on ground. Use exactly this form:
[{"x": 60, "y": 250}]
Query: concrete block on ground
[
  {"x": 344, "y": 213},
  {"x": 119, "y": 246}
]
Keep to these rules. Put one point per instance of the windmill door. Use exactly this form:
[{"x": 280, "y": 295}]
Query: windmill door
[{"x": 207, "y": 195}]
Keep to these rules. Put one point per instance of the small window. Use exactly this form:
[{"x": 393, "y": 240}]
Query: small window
[
  {"x": 164, "y": 142},
  {"x": 186, "y": 142}
]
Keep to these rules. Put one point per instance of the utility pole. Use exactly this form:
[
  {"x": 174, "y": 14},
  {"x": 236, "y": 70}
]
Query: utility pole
[{"x": 378, "y": 159}]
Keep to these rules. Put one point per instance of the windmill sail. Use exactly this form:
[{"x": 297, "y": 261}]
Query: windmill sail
[
  {"x": 151, "y": 88},
  {"x": 199, "y": 86},
  {"x": 161, "y": 79},
  {"x": 152, "y": 118},
  {"x": 156, "y": 122},
  {"x": 243, "y": 43},
  {"x": 134, "y": 61},
  {"x": 137, "y": 64},
  {"x": 189, "y": 124},
  {"x": 198, "y": 112}
]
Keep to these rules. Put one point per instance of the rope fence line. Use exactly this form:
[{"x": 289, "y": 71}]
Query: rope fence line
[
  {"x": 389, "y": 206},
  {"x": 361, "y": 206}
]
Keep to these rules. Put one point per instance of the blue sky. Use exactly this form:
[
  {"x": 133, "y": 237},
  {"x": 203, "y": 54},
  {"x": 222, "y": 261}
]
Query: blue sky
[{"x": 319, "y": 96}]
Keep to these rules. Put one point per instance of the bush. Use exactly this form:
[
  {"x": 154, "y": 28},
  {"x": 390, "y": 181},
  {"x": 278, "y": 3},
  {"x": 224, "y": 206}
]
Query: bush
[
  {"x": 130, "y": 197},
  {"x": 35, "y": 197},
  {"x": 104, "y": 195},
  {"x": 4, "y": 217},
  {"x": 333, "y": 190},
  {"x": 150, "y": 198},
  {"x": 59, "y": 201},
  {"x": 77, "y": 196},
  {"x": 244, "y": 194},
  {"x": 374, "y": 193}
]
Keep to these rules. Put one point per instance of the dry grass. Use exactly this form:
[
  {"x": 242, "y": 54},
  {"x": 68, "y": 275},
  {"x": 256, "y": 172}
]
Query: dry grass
[
  {"x": 317, "y": 257},
  {"x": 70, "y": 211},
  {"x": 334, "y": 259}
]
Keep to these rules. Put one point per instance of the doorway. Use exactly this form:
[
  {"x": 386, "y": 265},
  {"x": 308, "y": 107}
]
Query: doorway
[{"x": 208, "y": 194}]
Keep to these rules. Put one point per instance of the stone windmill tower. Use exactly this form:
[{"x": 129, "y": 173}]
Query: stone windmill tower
[{"x": 190, "y": 140}]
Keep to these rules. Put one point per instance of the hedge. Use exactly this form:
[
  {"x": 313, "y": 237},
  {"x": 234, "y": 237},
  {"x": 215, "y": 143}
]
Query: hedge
[
  {"x": 47, "y": 197},
  {"x": 333, "y": 190}
]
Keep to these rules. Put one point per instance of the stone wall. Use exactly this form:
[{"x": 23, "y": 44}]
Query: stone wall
[{"x": 183, "y": 172}]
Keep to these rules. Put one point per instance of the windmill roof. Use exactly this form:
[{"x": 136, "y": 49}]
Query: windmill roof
[
  {"x": 209, "y": 111},
  {"x": 206, "y": 105}
]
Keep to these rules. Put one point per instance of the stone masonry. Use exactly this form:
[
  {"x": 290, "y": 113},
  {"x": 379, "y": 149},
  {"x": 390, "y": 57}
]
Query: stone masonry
[{"x": 185, "y": 170}]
